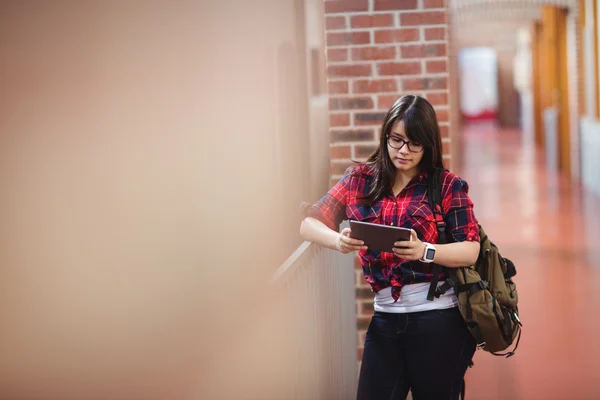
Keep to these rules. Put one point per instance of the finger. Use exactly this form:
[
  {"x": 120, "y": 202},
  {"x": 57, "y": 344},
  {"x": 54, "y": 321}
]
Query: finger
[
  {"x": 346, "y": 232},
  {"x": 349, "y": 244},
  {"x": 339, "y": 244},
  {"x": 356, "y": 248},
  {"x": 408, "y": 257},
  {"x": 404, "y": 244},
  {"x": 349, "y": 247},
  {"x": 403, "y": 252},
  {"x": 413, "y": 235},
  {"x": 352, "y": 242}
]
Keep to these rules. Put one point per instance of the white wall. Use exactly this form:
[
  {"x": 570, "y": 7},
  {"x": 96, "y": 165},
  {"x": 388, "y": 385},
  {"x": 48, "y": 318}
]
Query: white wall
[
  {"x": 522, "y": 73},
  {"x": 478, "y": 81},
  {"x": 590, "y": 154},
  {"x": 589, "y": 127},
  {"x": 573, "y": 80}
]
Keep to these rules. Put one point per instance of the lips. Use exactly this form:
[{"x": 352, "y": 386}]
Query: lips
[{"x": 402, "y": 160}]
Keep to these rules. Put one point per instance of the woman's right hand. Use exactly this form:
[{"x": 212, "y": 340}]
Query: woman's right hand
[{"x": 346, "y": 244}]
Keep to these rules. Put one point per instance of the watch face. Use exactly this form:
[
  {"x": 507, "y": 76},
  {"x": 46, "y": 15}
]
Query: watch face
[{"x": 429, "y": 254}]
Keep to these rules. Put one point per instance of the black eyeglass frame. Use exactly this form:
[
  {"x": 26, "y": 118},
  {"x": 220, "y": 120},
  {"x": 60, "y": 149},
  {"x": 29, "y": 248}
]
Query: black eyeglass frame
[{"x": 404, "y": 142}]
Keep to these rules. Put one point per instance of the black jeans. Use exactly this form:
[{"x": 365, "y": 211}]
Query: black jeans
[{"x": 427, "y": 352}]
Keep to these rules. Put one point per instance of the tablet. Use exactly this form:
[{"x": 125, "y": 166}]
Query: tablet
[{"x": 378, "y": 237}]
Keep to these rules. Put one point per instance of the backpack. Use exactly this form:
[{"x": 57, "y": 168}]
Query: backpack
[{"x": 487, "y": 295}]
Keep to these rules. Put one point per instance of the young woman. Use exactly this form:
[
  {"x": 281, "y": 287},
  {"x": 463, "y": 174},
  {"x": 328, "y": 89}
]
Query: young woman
[{"x": 411, "y": 343}]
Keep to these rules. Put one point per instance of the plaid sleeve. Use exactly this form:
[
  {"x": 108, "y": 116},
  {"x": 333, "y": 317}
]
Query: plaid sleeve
[
  {"x": 331, "y": 209},
  {"x": 458, "y": 208}
]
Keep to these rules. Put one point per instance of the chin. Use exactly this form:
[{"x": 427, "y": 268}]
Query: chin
[{"x": 404, "y": 167}]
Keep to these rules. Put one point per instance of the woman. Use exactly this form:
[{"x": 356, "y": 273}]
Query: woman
[{"x": 411, "y": 343}]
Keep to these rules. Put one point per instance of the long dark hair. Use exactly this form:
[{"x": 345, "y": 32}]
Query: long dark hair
[{"x": 421, "y": 126}]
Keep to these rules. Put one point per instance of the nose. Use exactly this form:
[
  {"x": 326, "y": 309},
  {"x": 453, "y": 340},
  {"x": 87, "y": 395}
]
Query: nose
[{"x": 403, "y": 149}]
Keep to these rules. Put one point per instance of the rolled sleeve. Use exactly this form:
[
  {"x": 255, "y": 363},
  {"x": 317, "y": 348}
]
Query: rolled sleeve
[
  {"x": 331, "y": 208},
  {"x": 460, "y": 217}
]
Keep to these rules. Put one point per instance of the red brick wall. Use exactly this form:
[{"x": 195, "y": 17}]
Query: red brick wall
[{"x": 378, "y": 50}]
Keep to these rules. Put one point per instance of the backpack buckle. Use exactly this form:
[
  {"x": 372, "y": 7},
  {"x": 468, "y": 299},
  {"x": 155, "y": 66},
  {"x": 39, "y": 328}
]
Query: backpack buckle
[
  {"x": 439, "y": 220},
  {"x": 483, "y": 284},
  {"x": 516, "y": 318}
]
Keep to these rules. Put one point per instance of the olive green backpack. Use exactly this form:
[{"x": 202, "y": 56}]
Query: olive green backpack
[{"x": 487, "y": 295}]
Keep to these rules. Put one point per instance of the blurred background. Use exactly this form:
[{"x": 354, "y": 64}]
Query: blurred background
[{"x": 154, "y": 156}]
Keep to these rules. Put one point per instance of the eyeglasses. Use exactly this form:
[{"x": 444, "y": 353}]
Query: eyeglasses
[{"x": 397, "y": 143}]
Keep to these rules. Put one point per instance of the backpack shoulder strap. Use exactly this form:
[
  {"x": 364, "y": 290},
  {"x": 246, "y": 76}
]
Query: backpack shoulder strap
[{"x": 434, "y": 196}]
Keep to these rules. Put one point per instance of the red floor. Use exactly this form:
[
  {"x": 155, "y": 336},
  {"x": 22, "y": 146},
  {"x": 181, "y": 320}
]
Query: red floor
[{"x": 549, "y": 228}]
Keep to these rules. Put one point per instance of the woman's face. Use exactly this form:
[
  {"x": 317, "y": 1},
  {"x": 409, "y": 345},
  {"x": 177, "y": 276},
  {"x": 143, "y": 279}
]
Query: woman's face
[{"x": 405, "y": 155}]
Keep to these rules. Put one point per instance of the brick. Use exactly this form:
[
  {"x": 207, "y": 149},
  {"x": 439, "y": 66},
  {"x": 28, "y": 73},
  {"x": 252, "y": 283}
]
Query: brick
[
  {"x": 373, "y": 53},
  {"x": 424, "y": 83},
  {"x": 399, "y": 68},
  {"x": 445, "y": 148},
  {"x": 436, "y": 67},
  {"x": 337, "y": 55},
  {"x": 437, "y": 99},
  {"x": 336, "y": 22},
  {"x": 369, "y": 118},
  {"x": 339, "y": 168},
  {"x": 367, "y": 308},
  {"x": 361, "y": 337},
  {"x": 337, "y": 87},
  {"x": 339, "y": 119},
  {"x": 397, "y": 35},
  {"x": 435, "y": 33},
  {"x": 423, "y": 50},
  {"x": 361, "y": 282},
  {"x": 364, "y": 151},
  {"x": 346, "y": 103},
  {"x": 348, "y": 70},
  {"x": 372, "y": 21},
  {"x": 434, "y": 3},
  {"x": 362, "y": 323},
  {"x": 374, "y": 86},
  {"x": 341, "y": 6},
  {"x": 423, "y": 18},
  {"x": 364, "y": 293},
  {"x": 444, "y": 131},
  {"x": 385, "y": 5},
  {"x": 358, "y": 135},
  {"x": 442, "y": 115},
  {"x": 348, "y": 38},
  {"x": 340, "y": 152},
  {"x": 386, "y": 102}
]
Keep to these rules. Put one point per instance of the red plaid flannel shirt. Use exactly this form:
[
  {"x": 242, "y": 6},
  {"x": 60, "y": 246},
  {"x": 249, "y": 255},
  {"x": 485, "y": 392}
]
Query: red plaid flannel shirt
[{"x": 409, "y": 209}]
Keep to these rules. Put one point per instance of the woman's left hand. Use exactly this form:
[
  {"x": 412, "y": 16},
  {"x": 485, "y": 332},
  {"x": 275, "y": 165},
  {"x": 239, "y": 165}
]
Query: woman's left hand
[{"x": 410, "y": 250}]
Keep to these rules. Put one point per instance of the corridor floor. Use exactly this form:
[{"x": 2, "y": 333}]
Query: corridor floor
[{"x": 549, "y": 227}]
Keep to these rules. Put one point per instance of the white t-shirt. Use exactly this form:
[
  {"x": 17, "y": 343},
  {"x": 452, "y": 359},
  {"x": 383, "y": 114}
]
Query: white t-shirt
[{"x": 413, "y": 298}]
